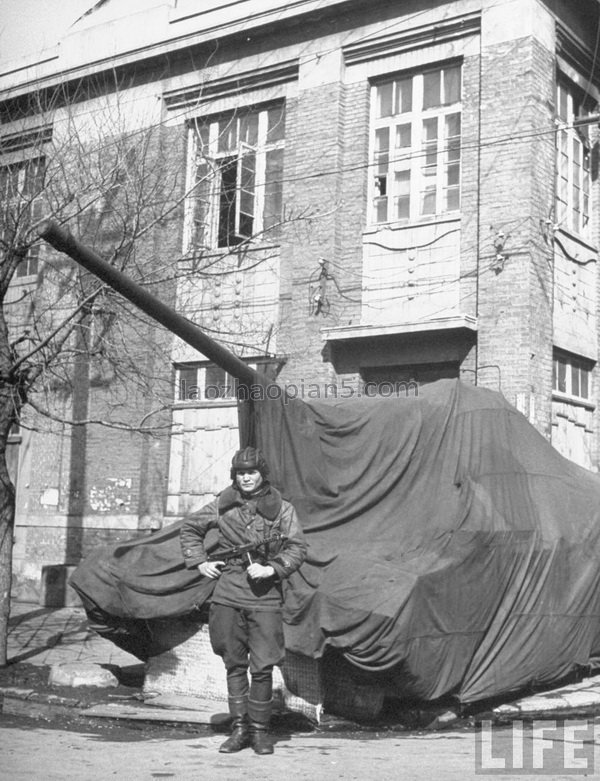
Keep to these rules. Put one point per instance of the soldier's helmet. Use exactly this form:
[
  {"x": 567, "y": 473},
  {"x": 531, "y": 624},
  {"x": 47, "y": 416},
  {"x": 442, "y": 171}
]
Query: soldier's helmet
[{"x": 249, "y": 458}]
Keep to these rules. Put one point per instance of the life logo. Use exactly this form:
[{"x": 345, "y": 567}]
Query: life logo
[{"x": 544, "y": 747}]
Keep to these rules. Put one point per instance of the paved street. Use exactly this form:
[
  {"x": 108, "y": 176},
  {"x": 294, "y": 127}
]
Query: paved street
[{"x": 39, "y": 751}]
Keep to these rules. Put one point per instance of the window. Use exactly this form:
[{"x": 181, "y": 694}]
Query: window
[
  {"x": 573, "y": 169},
  {"x": 571, "y": 376},
  {"x": 205, "y": 382},
  {"x": 236, "y": 179},
  {"x": 416, "y": 141},
  {"x": 20, "y": 187}
]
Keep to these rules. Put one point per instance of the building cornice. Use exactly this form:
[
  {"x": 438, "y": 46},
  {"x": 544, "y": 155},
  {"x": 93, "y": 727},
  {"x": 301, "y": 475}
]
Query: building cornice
[
  {"x": 416, "y": 38},
  {"x": 35, "y": 76},
  {"x": 259, "y": 78},
  {"x": 576, "y": 54}
]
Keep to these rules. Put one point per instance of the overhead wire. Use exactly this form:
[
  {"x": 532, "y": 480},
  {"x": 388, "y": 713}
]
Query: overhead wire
[{"x": 493, "y": 140}]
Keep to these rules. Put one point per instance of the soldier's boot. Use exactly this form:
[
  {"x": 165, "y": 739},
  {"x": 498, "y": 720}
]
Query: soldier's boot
[
  {"x": 260, "y": 716},
  {"x": 240, "y": 735}
]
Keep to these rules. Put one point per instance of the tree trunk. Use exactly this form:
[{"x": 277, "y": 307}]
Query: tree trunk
[
  {"x": 11, "y": 401},
  {"x": 7, "y": 525}
]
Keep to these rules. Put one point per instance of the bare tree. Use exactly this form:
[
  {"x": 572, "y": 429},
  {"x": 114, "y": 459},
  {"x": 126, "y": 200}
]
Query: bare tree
[{"x": 82, "y": 159}]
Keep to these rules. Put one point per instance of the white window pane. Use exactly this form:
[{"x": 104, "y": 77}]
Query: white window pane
[
  {"x": 430, "y": 129},
  {"x": 452, "y": 199},
  {"x": 402, "y": 206},
  {"x": 380, "y": 209},
  {"x": 33, "y": 176},
  {"x": 188, "y": 384},
  {"x": 563, "y": 166},
  {"x": 428, "y": 201},
  {"x": 561, "y": 376},
  {"x": 402, "y": 183},
  {"x": 227, "y": 134},
  {"x": 403, "y": 136},
  {"x": 452, "y": 125},
  {"x": 200, "y": 196},
  {"x": 452, "y": 174},
  {"x": 402, "y": 195},
  {"x": 249, "y": 128},
  {"x": 575, "y": 380},
  {"x": 585, "y": 386},
  {"x": 382, "y": 145},
  {"x": 451, "y": 85},
  {"x": 273, "y": 188},
  {"x": 385, "y": 99},
  {"x": 245, "y": 196},
  {"x": 202, "y": 135},
  {"x": 214, "y": 382},
  {"x": 432, "y": 89},
  {"x": 276, "y": 123},
  {"x": 403, "y": 96},
  {"x": 382, "y": 140}
]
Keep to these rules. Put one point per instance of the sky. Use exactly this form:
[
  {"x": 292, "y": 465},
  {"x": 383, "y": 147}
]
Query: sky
[{"x": 29, "y": 26}]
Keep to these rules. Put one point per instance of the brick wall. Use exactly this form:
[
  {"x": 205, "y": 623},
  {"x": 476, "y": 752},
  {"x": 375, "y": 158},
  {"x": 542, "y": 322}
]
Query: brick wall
[
  {"x": 516, "y": 192},
  {"x": 326, "y": 152}
]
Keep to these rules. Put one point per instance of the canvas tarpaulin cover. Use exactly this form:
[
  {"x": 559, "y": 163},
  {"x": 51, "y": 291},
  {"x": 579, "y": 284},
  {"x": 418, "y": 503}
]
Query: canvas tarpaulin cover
[{"x": 451, "y": 548}]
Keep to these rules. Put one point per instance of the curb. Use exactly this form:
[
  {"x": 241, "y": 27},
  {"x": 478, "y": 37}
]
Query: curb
[
  {"x": 28, "y": 702},
  {"x": 17, "y": 701}
]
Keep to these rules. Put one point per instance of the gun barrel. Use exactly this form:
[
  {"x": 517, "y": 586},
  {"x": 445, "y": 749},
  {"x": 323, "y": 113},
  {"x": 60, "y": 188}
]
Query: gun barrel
[
  {"x": 63, "y": 241},
  {"x": 231, "y": 553}
]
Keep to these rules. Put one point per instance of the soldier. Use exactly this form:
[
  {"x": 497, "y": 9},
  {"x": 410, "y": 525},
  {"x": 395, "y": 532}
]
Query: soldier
[{"x": 245, "y": 618}]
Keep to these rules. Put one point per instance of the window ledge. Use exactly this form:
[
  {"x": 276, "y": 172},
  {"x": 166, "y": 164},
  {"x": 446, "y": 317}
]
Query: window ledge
[
  {"x": 346, "y": 332},
  {"x": 434, "y": 219},
  {"x": 197, "y": 404},
  {"x": 224, "y": 252},
  {"x": 573, "y": 400}
]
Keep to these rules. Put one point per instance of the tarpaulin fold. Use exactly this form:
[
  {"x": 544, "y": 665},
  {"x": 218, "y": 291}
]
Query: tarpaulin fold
[{"x": 451, "y": 548}]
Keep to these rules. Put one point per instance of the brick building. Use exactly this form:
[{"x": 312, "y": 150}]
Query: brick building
[{"x": 370, "y": 193}]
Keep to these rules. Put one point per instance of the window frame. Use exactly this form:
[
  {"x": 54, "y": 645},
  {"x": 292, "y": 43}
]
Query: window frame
[
  {"x": 573, "y": 197},
  {"x": 202, "y": 370},
  {"x": 224, "y": 142},
  {"x": 27, "y": 186},
  {"x": 567, "y": 381},
  {"x": 431, "y": 166}
]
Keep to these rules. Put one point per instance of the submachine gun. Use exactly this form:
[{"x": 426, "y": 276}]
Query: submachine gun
[{"x": 247, "y": 551}]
